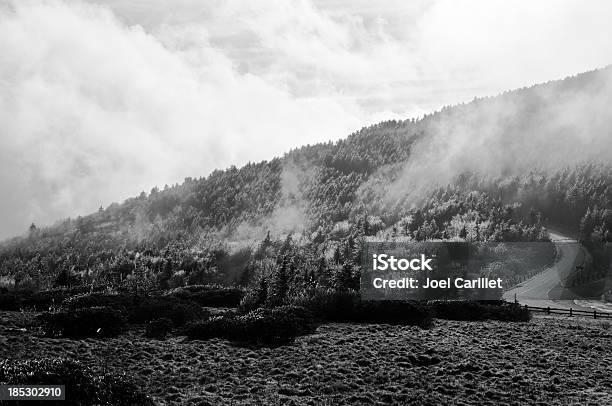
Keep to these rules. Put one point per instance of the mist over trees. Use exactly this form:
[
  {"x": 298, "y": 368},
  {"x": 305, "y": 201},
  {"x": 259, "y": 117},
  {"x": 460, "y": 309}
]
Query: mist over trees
[{"x": 297, "y": 219}]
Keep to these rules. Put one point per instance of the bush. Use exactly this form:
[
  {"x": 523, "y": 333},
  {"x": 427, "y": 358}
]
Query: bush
[
  {"x": 142, "y": 309},
  {"x": 329, "y": 305},
  {"x": 215, "y": 327},
  {"x": 98, "y": 299},
  {"x": 275, "y": 326},
  {"x": 82, "y": 385},
  {"x": 472, "y": 311},
  {"x": 208, "y": 295},
  {"x": 120, "y": 390},
  {"x": 46, "y": 299},
  {"x": 393, "y": 312},
  {"x": 80, "y": 323},
  {"x": 42, "y": 300},
  {"x": 256, "y": 296},
  {"x": 177, "y": 311},
  {"x": 159, "y": 328},
  {"x": 346, "y": 306},
  {"x": 10, "y": 302}
]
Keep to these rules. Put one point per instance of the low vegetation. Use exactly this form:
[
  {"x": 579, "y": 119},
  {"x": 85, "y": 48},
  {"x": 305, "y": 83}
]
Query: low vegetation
[
  {"x": 83, "y": 386},
  {"x": 267, "y": 314},
  {"x": 41, "y": 300},
  {"x": 207, "y": 295},
  {"x": 80, "y": 323},
  {"x": 472, "y": 311},
  {"x": 346, "y": 306},
  {"x": 552, "y": 361},
  {"x": 258, "y": 320},
  {"x": 142, "y": 309},
  {"x": 262, "y": 326}
]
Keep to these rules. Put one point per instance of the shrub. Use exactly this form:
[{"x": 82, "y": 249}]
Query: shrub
[
  {"x": 255, "y": 297},
  {"x": 393, "y": 312},
  {"x": 83, "y": 386},
  {"x": 177, "y": 279},
  {"x": 97, "y": 299},
  {"x": 215, "y": 327},
  {"x": 275, "y": 326},
  {"x": 46, "y": 299},
  {"x": 120, "y": 390},
  {"x": 27, "y": 284},
  {"x": 509, "y": 312},
  {"x": 42, "y": 300},
  {"x": 142, "y": 309},
  {"x": 79, "y": 323},
  {"x": 472, "y": 311},
  {"x": 208, "y": 295},
  {"x": 10, "y": 302},
  {"x": 177, "y": 311},
  {"x": 346, "y": 306},
  {"x": 329, "y": 304},
  {"x": 81, "y": 383}
]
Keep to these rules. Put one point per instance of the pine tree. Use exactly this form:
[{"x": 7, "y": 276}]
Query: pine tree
[
  {"x": 321, "y": 272},
  {"x": 587, "y": 226},
  {"x": 262, "y": 292},
  {"x": 343, "y": 277},
  {"x": 263, "y": 247},
  {"x": 280, "y": 285},
  {"x": 246, "y": 275},
  {"x": 337, "y": 255}
]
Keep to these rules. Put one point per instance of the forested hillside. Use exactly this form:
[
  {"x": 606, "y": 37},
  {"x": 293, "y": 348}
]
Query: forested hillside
[{"x": 307, "y": 210}]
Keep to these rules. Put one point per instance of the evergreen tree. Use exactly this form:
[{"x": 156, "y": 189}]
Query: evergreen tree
[
  {"x": 343, "y": 277},
  {"x": 587, "y": 226},
  {"x": 280, "y": 285}
]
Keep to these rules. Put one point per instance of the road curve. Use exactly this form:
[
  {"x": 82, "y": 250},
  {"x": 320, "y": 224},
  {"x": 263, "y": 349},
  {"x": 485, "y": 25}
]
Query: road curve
[{"x": 545, "y": 288}]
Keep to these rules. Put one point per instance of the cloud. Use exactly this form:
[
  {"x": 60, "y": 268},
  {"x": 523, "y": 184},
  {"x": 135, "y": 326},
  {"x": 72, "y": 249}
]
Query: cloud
[
  {"x": 288, "y": 217},
  {"x": 497, "y": 43},
  {"x": 93, "y": 111},
  {"x": 395, "y": 56},
  {"x": 543, "y": 129},
  {"x": 102, "y": 99}
]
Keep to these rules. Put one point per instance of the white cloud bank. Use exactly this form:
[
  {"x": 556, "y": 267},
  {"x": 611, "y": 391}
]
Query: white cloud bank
[
  {"x": 93, "y": 111},
  {"x": 100, "y": 101}
]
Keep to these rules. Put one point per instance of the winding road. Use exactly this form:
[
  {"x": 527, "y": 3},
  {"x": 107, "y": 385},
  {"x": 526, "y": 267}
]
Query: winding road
[{"x": 547, "y": 288}]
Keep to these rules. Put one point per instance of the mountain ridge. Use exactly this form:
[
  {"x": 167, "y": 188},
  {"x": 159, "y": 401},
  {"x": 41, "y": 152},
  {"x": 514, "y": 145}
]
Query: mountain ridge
[{"x": 228, "y": 199}]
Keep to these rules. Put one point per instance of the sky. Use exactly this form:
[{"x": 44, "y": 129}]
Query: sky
[{"x": 100, "y": 100}]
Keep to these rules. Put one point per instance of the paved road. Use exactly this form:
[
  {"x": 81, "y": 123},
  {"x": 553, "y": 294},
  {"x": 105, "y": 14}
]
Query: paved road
[{"x": 545, "y": 289}]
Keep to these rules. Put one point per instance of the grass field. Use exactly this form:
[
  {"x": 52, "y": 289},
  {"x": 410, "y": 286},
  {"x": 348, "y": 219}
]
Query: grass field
[{"x": 547, "y": 361}]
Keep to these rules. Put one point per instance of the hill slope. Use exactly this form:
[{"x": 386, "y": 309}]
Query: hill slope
[{"x": 498, "y": 168}]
